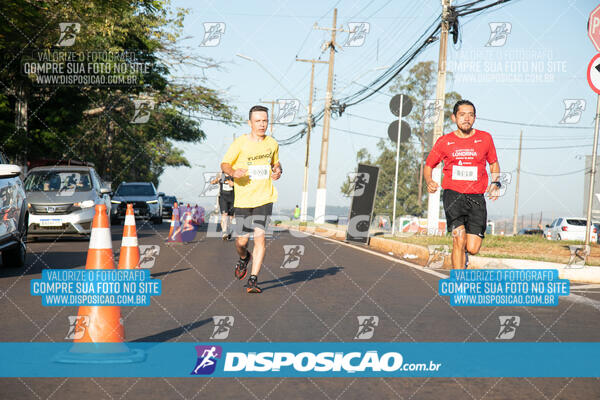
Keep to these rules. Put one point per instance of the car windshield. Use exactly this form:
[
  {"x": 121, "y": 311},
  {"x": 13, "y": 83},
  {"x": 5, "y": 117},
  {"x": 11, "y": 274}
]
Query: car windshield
[
  {"x": 62, "y": 182},
  {"x": 135, "y": 190},
  {"x": 170, "y": 199},
  {"x": 577, "y": 222}
]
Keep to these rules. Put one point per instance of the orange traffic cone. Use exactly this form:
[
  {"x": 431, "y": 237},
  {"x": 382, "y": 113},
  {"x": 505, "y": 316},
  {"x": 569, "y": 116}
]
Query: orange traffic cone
[
  {"x": 104, "y": 321},
  {"x": 175, "y": 230},
  {"x": 130, "y": 252},
  {"x": 100, "y": 328}
]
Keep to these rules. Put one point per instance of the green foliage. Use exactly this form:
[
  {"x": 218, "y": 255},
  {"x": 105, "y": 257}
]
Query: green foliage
[{"x": 92, "y": 123}]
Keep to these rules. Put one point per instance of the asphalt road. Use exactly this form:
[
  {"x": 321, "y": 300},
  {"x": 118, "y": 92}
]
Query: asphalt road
[{"x": 318, "y": 300}]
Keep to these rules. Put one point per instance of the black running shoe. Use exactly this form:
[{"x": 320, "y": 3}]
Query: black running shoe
[
  {"x": 466, "y": 259},
  {"x": 229, "y": 237},
  {"x": 252, "y": 287},
  {"x": 241, "y": 268}
]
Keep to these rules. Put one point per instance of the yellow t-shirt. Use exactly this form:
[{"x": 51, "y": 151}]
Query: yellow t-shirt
[{"x": 256, "y": 187}]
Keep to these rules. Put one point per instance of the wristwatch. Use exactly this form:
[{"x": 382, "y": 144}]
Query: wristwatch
[{"x": 497, "y": 183}]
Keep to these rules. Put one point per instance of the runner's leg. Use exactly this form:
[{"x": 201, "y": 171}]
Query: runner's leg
[
  {"x": 473, "y": 243},
  {"x": 259, "y": 250},
  {"x": 241, "y": 245},
  {"x": 458, "y": 247},
  {"x": 225, "y": 222}
]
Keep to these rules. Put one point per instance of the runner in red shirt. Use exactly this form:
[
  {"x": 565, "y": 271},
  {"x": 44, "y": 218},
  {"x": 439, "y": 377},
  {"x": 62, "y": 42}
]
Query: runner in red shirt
[{"x": 465, "y": 153}]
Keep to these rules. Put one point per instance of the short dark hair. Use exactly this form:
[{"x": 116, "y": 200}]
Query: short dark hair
[
  {"x": 257, "y": 108},
  {"x": 462, "y": 103}
]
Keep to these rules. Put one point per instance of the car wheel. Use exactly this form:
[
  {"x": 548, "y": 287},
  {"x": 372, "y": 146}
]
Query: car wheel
[
  {"x": 157, "y": 220},
  {"x": 15, "y": 256},
  {"x": 115, "y": 221}
]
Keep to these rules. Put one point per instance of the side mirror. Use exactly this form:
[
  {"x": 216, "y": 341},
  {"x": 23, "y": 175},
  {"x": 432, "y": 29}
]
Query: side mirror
[
  {"x": 9, "y": 170},
  {"x": 161, "y": 194},
  {"x": 547, "y": 226}
]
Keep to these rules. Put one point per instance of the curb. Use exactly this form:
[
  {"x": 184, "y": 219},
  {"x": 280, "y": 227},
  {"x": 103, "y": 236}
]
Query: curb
[{"x": 419, "y": 255}]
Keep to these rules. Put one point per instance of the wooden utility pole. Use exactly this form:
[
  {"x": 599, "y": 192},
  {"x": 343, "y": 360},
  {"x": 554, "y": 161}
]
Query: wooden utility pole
[
  {"x": 272, "y": 103},
  {"x": 304, "y": 204},
  {"x": 433, "y": 206},
  {"x": 322, "y": 185},
  {"x": 516, "y": 210}
]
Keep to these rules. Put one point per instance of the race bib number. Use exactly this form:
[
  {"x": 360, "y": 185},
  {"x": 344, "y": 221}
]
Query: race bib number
[
  {"x": 462, "y": 173},
  {"x": 258, "y": 172}
]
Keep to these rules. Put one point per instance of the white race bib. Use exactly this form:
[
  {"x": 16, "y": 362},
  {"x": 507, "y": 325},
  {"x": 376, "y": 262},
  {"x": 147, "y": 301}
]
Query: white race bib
[
  {"x": 462, "y": 173},
  {"x": 258, "y": 172}
]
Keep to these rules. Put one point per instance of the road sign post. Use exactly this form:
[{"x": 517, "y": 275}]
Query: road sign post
[
  {"x": 593, "y": 77},
  {"x": 400, "y": 105}
]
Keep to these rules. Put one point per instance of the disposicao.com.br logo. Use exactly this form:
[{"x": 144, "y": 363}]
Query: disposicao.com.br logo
[{"x": 307, "y": 363}]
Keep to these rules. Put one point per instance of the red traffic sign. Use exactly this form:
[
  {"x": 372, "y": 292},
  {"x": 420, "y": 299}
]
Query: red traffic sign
[
  {"x": 593, "y": 73},
  {"x": 594, "y": 27}
]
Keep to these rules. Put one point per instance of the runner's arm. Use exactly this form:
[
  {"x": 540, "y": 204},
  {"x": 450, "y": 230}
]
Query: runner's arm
[
  {"x": 494, "y": 190},
  {"x": 277, "y": 171},
  {"x": 216, "y": 179},
  {"x": 432, "y": 185},
  {"x": 236, "y": 173}
]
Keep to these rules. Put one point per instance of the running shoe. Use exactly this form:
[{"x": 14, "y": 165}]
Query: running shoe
[
  {"x": 241, "y": 268},
  {"x": 466, "y": 259},
  {"x": 229, "y": 237},
  {"x": 252, "y": 287},
  {"x": 225, "y": 236}
]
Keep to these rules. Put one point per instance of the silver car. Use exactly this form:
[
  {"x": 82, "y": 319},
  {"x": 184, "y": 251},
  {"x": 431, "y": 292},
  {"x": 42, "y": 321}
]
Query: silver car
[{"x": 62, "y": 199}]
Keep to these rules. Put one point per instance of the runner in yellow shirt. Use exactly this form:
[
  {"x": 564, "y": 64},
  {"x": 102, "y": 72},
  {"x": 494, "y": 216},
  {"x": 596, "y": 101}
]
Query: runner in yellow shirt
[{"x": 253, "y": 161}]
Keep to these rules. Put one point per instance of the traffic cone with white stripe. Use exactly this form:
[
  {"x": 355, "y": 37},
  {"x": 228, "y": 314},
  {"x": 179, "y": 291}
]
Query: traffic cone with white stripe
[
  {"x": 105, "y": 324},
  {"x": 129, "y": 258},
  {"x": 175, "y": 230},
  {"x": 100, "y": 332}
]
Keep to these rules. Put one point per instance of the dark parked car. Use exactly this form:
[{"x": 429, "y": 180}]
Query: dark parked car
[
  {"x": 168, "y": 202},
  {"x": 147, "y": 202}
]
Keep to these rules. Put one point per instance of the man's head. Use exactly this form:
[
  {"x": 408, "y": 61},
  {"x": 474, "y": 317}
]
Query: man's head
[
  {"x": 463, "y": 115},
  {"x": 258, "y": 120}
]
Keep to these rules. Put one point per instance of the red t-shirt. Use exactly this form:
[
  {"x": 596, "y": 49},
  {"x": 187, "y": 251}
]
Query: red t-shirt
[{"x": 464, "y": 161}]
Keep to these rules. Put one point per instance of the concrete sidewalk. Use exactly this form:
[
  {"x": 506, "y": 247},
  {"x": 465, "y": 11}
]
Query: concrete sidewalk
[{"x": 420, "y": 255}]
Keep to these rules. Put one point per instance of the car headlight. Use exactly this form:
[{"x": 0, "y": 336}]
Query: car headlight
[
  {"x": 152, "y": 202},
  {"x": 85, "y": 204},
  {"x": 115, "y": 202}
]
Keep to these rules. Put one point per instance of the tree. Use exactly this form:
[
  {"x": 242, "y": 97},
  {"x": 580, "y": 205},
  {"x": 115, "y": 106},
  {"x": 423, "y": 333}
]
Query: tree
[{"x": 91, "y": 122}]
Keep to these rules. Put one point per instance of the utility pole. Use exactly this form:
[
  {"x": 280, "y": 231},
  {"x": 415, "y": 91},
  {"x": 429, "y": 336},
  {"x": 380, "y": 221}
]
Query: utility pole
[
  {"x": 304, "y": 204},
  {"x": 516, "y": 210},
  {"x": 322, "y": 185},
  {"x": 433, "y": 206},
  {"x": 272, "y": 103}
]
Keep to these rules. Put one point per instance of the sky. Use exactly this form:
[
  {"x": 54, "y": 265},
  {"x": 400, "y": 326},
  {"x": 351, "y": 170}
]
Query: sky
[{"x": 522, "y": 81}]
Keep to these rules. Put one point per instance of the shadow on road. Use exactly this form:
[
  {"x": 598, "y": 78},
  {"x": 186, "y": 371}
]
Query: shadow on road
[
  {"x": 300, "y": 276},
  {"x": 173, "y": 333},
  {"x": 56, "y": 260}
]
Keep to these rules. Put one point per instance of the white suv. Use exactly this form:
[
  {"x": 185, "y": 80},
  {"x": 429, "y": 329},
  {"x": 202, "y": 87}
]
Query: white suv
[{"x": 569, "y": 228}]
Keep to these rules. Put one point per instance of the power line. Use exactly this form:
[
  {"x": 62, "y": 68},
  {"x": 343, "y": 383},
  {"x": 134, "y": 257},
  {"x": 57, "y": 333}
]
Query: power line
[
  {"x": 565, "y": 126},
  {"x": 564, "y": 174}
]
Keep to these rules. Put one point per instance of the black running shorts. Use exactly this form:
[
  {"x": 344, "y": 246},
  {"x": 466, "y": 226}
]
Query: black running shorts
[
  {"x": 226, "y": 203},
  {"x": 468, "y": 210},
  {"x": 257, "y": 217}
]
